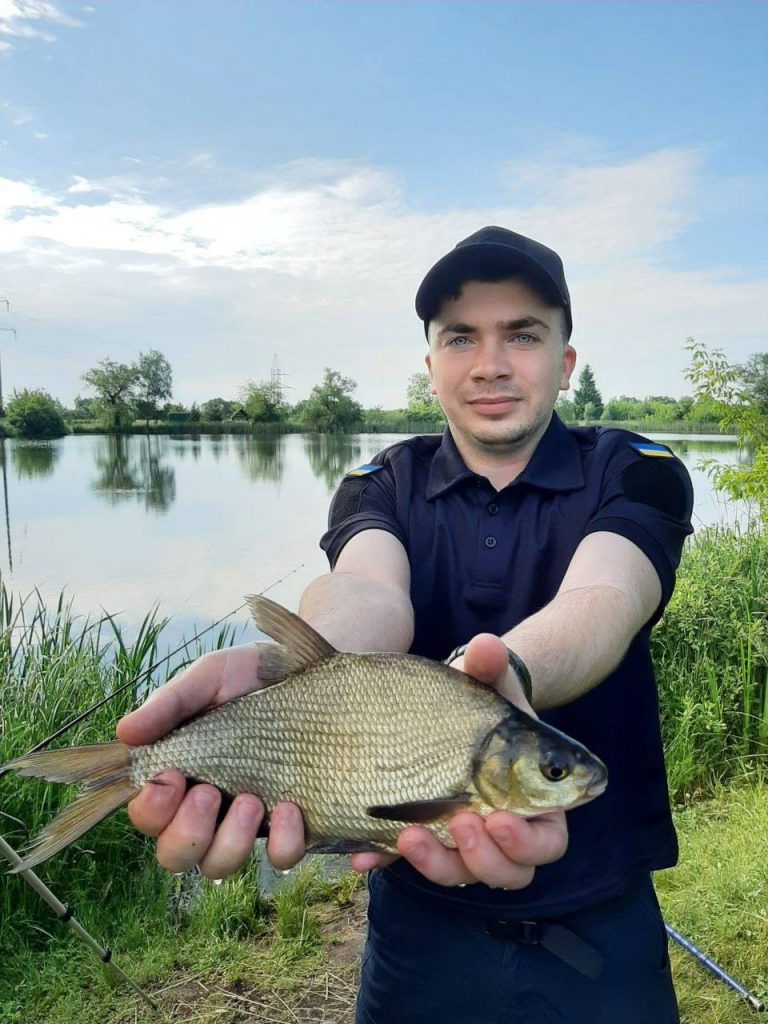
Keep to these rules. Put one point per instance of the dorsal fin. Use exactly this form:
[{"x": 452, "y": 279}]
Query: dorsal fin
[{"x": 302, "y": 645}]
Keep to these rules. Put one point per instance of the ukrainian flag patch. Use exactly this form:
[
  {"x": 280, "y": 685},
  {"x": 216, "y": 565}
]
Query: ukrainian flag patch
[
  {"x": 653, "y": 451},
  {"x": 363, "y": 470}
]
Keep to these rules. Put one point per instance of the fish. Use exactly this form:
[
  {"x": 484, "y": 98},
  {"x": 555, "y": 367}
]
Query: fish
[{"x": 364, "y": 744}]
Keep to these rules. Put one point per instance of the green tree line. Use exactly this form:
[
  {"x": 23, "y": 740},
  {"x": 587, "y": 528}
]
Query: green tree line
[{"x": 122, "y": 395}]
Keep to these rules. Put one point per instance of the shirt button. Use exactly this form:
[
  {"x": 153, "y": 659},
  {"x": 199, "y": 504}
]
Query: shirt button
[
  {"x": 493, "y": 508},
  {"x": 490, "y": 542}
]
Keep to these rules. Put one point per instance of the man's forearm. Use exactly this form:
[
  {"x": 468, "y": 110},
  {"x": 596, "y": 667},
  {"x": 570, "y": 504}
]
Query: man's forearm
[
  {"x": 358, "y": 614},
  {"x": 574, "y": 642}
]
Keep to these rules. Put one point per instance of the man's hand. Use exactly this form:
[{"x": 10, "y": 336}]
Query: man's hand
[
  {"x": 502, "y": 850},
  {"x": 184, "y": 821}
]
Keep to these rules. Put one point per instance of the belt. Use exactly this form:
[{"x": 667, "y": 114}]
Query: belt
[{"x": 556, "y": 938}]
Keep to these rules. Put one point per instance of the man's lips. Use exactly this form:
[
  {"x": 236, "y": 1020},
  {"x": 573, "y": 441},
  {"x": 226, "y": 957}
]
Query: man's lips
[{"x": 493, "y": 403}]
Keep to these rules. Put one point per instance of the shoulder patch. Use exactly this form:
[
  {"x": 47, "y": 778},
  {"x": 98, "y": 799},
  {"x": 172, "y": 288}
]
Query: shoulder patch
[
  {"x": 364, "y": 470},
  {"x": 651, "y": 450}
]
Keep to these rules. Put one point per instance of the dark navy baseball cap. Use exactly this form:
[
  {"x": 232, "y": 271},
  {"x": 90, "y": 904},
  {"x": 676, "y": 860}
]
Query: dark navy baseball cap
[{"x": 494, "y": 250}]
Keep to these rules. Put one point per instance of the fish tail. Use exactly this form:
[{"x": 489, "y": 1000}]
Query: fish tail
[{"x": 105, "y": 770}]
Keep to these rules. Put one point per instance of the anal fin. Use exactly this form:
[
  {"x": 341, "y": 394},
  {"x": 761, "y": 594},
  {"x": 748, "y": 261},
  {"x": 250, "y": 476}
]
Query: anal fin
[{"x": 345, "y": 846}]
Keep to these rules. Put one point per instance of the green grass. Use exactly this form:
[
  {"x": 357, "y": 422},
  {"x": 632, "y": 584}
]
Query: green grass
[
  {"x": 711, "y": 652},
  {"x": 717, "y": 897}
]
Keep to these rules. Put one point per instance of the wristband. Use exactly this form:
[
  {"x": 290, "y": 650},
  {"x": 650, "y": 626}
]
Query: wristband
[{"x": 515, "y": 661}]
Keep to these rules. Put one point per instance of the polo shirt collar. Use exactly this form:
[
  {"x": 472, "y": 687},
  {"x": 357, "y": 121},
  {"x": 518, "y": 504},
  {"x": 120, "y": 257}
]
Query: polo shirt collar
[{"x": 554, "y": 466}]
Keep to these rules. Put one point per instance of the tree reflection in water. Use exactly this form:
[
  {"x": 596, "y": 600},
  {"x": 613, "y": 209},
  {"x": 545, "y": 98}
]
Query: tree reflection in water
[
  {"x": 331, "y": 456},
  {"x": 131, "y": 468},
  {"x": 262, "y": 457},
  {"x": 34, "y": 458}
]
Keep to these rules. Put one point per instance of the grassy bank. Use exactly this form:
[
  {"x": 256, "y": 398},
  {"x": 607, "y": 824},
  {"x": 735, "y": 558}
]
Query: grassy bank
[{"x": 235, "y": 955}]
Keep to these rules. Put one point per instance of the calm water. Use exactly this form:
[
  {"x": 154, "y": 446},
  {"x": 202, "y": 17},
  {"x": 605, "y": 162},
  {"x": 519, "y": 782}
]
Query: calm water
[{"x": 192, "y": 524}]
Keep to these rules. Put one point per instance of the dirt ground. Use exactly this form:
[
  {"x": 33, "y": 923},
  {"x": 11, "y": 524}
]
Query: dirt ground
[{"x": 327, "y": 998}]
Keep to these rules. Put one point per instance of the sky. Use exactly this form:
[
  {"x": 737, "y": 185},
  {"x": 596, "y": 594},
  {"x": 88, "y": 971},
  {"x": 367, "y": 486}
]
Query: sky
[{"x": 232, "y": 181}]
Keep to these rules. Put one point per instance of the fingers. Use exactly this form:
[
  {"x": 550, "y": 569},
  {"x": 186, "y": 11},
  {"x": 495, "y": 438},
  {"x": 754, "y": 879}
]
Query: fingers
[
  {"x": 187, "y": 838},
  {"x": 213, "y": 679},
  {"x": 233, "y": 840},
  {"x": 486, "y": 660},
  {"x": 501, "y": 852},
  {"x": 285, "y": 846},
  {"x": 153, "y": 809},
  {"x": 362, "y": 862}
]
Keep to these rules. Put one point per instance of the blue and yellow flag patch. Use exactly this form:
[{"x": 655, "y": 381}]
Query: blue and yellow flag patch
[
  {"x": 363, "y": 470},
  {"x": 654, "y": 451}
]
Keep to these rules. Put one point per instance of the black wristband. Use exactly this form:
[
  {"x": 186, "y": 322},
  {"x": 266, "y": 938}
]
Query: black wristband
[{"x": 515, "y": 661}]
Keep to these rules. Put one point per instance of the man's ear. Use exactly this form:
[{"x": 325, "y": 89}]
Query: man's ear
[
  {"x": 428, "y": 361},
  {"x": 569, "y": 362}
]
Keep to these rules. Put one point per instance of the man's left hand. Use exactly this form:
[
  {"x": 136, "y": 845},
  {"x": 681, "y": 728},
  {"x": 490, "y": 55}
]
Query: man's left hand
[{"x": 502, "y": 850}]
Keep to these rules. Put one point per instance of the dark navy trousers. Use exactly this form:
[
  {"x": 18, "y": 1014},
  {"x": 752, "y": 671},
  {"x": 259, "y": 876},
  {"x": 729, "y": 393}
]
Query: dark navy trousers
[{"x": 426, "y": 964}]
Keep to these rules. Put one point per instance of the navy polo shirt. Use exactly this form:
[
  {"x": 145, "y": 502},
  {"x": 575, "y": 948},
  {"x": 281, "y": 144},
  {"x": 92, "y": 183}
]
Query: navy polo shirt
[{"x": 483, "y": 560}]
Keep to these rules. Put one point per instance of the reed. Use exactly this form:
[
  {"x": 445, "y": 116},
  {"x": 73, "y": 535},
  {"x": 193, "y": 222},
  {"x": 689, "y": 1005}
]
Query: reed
[{"x": 711, "y": 656}]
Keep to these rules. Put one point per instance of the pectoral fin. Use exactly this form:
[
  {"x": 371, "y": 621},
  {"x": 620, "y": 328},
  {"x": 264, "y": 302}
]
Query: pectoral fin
[{"x": 422, "y": 811}]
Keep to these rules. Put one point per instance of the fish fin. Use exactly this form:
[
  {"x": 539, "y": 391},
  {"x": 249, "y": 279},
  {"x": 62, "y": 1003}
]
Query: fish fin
[
  {"x": 302, "y": 645},
  {"x": 344, "y": 846},
  {"x": 105, "y": 768},
  {"x": 422, "y": 810},
  {"x": 276, "y": 663}
]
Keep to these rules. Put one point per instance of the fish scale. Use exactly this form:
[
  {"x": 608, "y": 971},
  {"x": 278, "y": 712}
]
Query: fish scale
[
  {"x": 284, "y": 744},
  {"x": 364, "y": 744}
]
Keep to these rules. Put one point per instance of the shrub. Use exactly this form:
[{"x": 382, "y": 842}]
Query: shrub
[{"x": 34, "y": 413}]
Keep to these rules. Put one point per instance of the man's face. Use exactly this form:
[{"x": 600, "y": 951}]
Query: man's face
[{"x": 497, "y": 359}]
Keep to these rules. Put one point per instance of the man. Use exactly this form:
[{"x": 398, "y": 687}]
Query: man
[{"x": 514, "y": 534}]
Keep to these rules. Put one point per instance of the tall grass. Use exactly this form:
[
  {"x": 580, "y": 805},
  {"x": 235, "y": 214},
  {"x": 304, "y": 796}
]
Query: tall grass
[{"x": 711, "y": 656}]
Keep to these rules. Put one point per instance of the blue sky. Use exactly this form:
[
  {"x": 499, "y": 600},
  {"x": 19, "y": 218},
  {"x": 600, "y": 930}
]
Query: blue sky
[{"x": 227, "y": 181}]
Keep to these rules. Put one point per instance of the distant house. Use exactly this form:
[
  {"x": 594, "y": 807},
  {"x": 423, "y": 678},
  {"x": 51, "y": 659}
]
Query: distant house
[
  {"x": 178, "y": 417},
  {"x": 240, "y": 414}
]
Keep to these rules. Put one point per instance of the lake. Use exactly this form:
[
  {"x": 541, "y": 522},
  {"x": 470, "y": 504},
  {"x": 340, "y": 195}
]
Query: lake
[{"x": 193, "y": 523}]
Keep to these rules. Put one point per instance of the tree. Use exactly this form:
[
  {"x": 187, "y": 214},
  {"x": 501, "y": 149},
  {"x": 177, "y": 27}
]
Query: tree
[
  {"x": 154, "y": 383},
  {"x": 34, "y": 413},
  {"x": 422, "y": 404},
  {"x": 263, "y": 402},
  {"x": 587, "y": 392},
  {"x": 114, "y": 383},
  {"x": 720, "y": 383},
  {"x": 754, "y": 376},
  {"x": 215, "y": 409},
  {"x": 330, "y": 406}
]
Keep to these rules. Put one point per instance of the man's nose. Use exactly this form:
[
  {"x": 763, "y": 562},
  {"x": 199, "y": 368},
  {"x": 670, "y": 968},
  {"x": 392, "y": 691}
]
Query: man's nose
[{"x": 491, "y": 363}]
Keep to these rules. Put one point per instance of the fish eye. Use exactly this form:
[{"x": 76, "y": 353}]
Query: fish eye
[{"x": 554, "y": 769}]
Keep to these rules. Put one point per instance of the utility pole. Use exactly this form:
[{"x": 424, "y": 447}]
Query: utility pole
[
  {"x": 7, "y": 310},
  {"x": 13, "y": 332}
]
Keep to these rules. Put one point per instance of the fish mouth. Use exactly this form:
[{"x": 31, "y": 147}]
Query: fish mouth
[{"x": 597, "y": 785}]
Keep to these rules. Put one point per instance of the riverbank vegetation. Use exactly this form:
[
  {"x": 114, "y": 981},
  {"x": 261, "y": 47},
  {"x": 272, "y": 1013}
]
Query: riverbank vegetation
[
  {"x": 234, "y": 953},
  {"x": 131, "y": 398}
]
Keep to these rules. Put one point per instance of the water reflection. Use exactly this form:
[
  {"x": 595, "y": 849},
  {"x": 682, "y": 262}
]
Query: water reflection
[
  {"x": 131, "y": 468},
  {"x": 330, "y": 456},
  {"x": 262, "y": 458},
  {"x": 34, "y": 458}
]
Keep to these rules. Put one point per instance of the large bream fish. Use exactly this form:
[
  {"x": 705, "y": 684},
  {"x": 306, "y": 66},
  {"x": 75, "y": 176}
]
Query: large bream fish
[{"x": 365, "y": 744}]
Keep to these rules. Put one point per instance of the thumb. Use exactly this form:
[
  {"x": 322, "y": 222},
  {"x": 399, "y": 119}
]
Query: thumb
[{"x": 486, "y": 660}]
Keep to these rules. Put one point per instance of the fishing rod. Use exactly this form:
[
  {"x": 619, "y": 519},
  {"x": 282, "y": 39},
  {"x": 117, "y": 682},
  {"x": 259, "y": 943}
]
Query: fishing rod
[
  {"x": 63, "y": 912},
  {"x": 713, "y": 968},
  {"x": 66, "y": 916},
  {"x": 143, "y": 674}
]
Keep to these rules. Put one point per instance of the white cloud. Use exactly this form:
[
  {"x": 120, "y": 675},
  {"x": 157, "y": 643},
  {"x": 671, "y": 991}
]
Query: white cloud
[
  {"x": 27, "y": 19},
  {"x": 320, "y": 263}
]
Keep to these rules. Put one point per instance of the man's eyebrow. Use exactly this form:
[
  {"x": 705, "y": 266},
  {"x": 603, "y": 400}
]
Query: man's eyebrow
[
  {"x": 502, "y": 325},
  {"x": 457, "y": 329},
  {"x": 526, "y": 321}
]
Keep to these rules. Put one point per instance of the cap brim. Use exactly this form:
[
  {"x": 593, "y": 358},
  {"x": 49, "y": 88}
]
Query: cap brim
[{"x": 462, "y": 264}]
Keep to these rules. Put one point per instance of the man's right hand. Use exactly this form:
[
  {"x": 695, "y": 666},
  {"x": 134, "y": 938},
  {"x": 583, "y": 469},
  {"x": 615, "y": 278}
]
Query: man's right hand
[{"x": 184, "y": 820}]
